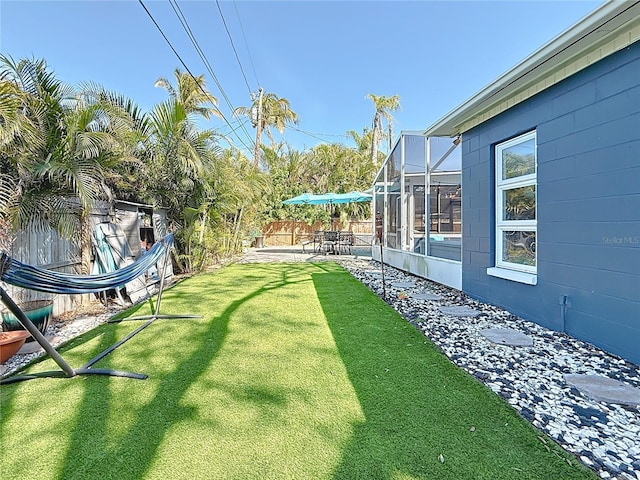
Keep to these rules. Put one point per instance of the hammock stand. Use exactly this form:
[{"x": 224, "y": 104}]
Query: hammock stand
[{"x": 34, "y": 278}]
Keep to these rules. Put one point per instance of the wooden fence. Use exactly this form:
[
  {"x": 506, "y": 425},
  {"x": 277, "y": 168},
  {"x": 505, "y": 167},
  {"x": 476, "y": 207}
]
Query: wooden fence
[
  {"x": 292, "y": 232},
  {"x": 47, "y": 250}
]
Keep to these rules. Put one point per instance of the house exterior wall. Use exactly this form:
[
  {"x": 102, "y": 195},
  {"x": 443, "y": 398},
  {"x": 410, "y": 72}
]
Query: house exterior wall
[{"x": 588, "y": 206}]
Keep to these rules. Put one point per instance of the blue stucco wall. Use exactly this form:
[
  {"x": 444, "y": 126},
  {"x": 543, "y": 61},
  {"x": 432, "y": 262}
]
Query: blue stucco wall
[{"x": 588, "y": 245}]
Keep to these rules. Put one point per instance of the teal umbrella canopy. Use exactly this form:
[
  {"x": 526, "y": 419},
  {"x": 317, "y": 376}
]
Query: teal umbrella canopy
[
  {"x": 309, "y": 199},
  {"x": 352, "y": 197},
  {"x": 328, "y": 198}
]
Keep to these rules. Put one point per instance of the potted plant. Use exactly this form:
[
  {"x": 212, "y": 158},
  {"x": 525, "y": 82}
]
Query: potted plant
[{"x": 38, "y": 311}]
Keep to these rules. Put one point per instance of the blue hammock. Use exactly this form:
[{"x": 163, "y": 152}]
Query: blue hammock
[{"x": 35, "y": 278}]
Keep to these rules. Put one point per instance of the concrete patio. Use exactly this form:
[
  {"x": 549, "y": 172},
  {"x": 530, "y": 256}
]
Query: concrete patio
[{"x": 296, "y": 253}]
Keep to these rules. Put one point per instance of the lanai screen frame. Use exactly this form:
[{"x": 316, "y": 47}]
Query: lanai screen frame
[{"x": 416, "y": 165}]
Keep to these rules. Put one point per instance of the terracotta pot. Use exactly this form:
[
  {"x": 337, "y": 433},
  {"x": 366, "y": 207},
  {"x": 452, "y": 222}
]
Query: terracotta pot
[
  {"x": 38, "y": 311},
  {"x": 11, "y": 342}
]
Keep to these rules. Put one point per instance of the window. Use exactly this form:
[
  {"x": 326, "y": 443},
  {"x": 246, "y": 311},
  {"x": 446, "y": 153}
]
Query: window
[{"x": 516, "y": 224}]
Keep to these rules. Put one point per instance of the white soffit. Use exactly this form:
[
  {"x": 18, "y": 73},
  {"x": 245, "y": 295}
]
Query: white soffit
[{"x": 610, "y": 28}]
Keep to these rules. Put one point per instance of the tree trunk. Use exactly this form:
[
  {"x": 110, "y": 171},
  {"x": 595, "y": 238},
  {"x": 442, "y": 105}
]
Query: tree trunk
[{"x": 375, "y": 139}]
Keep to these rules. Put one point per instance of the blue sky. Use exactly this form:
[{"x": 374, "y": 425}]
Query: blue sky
[{"x": 324, "y": 57}]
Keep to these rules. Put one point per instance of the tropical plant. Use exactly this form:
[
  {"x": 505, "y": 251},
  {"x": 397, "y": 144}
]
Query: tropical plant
[
  {"x": 55, "y": 148},
  {"x": 192, "y": 94},
  {"x": 180, "y": 159},
  {"x": 267, "y": 111}
]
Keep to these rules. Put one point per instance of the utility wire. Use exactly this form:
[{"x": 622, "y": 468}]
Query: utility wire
[
  {"x": 185, "y": 25},
  {"x": 246, "y": 45},
  {"x": 185, "y": 65},
  {"x": 319, "y": 136},
  {"x": 233, "y": 47}
]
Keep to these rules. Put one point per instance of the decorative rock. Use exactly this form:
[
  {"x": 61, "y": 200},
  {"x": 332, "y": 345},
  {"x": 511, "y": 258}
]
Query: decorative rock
[{"x": 507, "y": 336}]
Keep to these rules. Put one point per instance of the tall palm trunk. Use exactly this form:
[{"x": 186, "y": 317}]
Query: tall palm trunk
[{"x": 375, "y": 139}]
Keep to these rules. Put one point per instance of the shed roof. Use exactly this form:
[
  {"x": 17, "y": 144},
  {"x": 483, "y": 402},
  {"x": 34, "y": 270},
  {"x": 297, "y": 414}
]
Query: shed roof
[{"x": 609, "y": 28}]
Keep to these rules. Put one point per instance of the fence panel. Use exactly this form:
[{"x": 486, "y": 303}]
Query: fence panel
[
  {"x": 48, "y": 250},
  {"x": 292, "y": 232}
]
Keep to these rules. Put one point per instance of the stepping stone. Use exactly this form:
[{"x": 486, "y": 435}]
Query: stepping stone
[
  {"x": 426, "y": 296},
  {"x": 604, "y": 389},
  {"x": 459, "y": 311},
  {"x": 507, "y": 336},
  {"x": 403, "y": 284}
]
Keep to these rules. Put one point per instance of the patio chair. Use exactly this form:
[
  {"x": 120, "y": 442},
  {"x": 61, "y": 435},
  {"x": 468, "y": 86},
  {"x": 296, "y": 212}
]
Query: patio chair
[
  {"x": 34, "y": 278},
  {"x": 305, "y": 242},
  {"x": 318, "y": 239},
  {"x": 345, "y": 242},
  {"x": 330, "y": 242}
]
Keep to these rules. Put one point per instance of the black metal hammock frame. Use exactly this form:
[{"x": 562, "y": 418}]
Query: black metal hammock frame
[{"x": 42, "y": 280}]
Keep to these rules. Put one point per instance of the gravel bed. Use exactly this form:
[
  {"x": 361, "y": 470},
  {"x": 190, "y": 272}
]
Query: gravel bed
[{"x": 603, "y": 436}]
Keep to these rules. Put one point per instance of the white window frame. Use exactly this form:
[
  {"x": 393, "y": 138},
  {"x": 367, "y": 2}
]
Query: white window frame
[{"x": 509, "y": 270}]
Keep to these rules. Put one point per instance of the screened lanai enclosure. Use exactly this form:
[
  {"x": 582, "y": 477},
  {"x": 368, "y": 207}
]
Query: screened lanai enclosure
[{"x": 417, "y": 207}]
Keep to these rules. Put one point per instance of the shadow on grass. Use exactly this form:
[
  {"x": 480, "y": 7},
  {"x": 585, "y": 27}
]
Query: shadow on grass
[
  {"x": 424, "y": 417},
  {"x": 416, "y": 405},
  {"x": 137, "y": 449}
]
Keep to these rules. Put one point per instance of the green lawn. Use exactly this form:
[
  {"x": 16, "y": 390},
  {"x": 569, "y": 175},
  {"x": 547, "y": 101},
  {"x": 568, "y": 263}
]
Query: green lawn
[{"x": 295, "y": 371}]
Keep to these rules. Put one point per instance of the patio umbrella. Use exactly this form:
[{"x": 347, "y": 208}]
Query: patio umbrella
[
  {"x": 328, "y": 199},
  {"x": 308, "y": 199}
]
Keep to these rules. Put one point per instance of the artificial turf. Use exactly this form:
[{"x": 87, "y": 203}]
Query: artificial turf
[{"x": 295, "y": 371}]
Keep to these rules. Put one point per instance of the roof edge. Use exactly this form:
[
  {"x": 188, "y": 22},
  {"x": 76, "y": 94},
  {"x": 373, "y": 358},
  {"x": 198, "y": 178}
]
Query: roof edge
[{"x": 533, "y": 73}]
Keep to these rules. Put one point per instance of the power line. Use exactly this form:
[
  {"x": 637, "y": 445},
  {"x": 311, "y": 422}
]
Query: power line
[
  {"x": 233, "y": 47},
  {"x": 185, "y": 65},
  {"x": 246, "y": 45},
  {"x": 319, "y": 136},
  {"x": 185, "y": 25}
]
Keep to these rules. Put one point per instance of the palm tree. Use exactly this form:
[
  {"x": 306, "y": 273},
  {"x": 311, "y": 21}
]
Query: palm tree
[
  {"x": 192, "y": 94},
  {"x": 266, "y": 111},
  {"x": 383, "y": 106},
  {"x": 54, "y": 151},
  {"x": 131, "y": 131},
  {"x": 181, "y": 158}
]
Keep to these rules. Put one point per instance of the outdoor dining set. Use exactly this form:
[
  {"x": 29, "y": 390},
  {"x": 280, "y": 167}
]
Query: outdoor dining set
[{"x": 331, "y": 242}]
